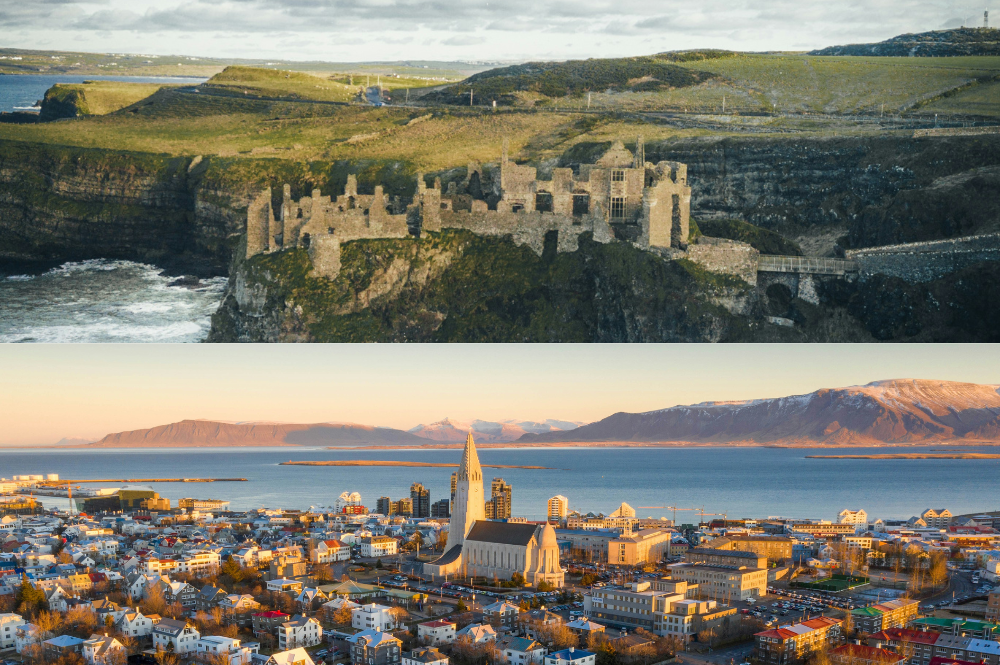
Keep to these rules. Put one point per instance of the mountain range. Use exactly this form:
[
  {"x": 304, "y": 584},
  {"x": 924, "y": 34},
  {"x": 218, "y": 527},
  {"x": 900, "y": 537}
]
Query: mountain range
[
  {"x": 903, "y": 411},
  {"x": 898, "y": 412}
]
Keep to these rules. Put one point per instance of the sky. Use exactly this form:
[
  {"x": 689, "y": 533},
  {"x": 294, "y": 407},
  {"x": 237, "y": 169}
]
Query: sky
[
  {"x": 372, "y": 30},
  {"x": 51, "y": 392}
]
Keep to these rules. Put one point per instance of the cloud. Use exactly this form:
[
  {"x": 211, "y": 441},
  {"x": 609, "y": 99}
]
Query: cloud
[{"x": 469, "y": 29}]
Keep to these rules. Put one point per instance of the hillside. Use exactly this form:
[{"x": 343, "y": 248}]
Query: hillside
[
  {"x": 198, "y": 433},
  {"x": 70, "y": 100},
  {"x": 488, "y": 431},
  {"x": 571, "y": 78},
  {"x": 937, "y": 43},
  {"x": 903, "y": 411}
]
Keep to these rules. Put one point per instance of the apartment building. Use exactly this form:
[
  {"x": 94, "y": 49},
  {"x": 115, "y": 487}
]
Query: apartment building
[
  {"x": 920, "y": 647},
  {"x": 822, "y": 529},
  {"x": 796, "y": 642},
  {"x": 501, "y": 615},
  {"x": 373, "y": 617},
  {"x": 726, "y": 583},
  {"x": 855, "y": 517},
  {"x": 937, "y": 517},
  {"x": 993, "y": 607},
  {"x": 689, "y": 617},
  {"x": 775, "y": 548},
  {"x": 861, "y": 654},
  {"x": 227, "y": 650},
  {"x": 645, "y": 546},
  {"x": 889, "y": 614},
  {"x": 372, "y": 647},
  {"x": 558, "y": 509},
  {"x": 717, "y": 557},
  {"x": 666, "y": 612},
  {"x": 376, "y": 546},
  {"x": 329, "y": 551},
  {"x": 9, "y": 623}
]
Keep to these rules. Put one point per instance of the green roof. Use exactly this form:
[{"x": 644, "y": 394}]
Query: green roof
[
  {"x": 966, "y": 624},
  {"x": 867, "y": 612}
]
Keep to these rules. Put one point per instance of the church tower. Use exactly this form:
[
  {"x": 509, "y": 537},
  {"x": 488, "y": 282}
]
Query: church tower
[{"x": 470, "y": 503}]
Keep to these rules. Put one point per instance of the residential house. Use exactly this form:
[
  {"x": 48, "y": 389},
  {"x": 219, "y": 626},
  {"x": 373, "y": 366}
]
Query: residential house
[
  {"x": 584, "y": 628},
  {"x": 134, "y": 623},
  {"x": 62, "y": 645},
  {"x": 377, "y": 546},
  {"x": 176, "y": 635},
  {"x": 283, "y": 585},
  {"x": 331, "y": 607},
  {"x": 104, "y": 650},
  {"x": 520, "y": 650},
  {"x": 209, "y": 597},
  {"x": 477, "y": 633},
  {"x": 310, "y": 598},
  {"x": 226, "y": 650},
  {"x": 373, "y": 617},
  {"x": 300, "y": 631},
  {"x": 571, "y": 656},
  {"x": 534, "y": 622},
  {"x": 502, "y": 615},
  {"x": 238, "y": 609},
  {"x": 26, "y": 635},
  {"x": 9, "y": 623},
  {"x": 330, "y": 551},
  {"x": 425, "y": 656},
  {"x": 267, "y": 623},
  {"x": 373, "y": 647},
  {"x": 291, "y": 657},
  {"x": 436, "y": 632}
]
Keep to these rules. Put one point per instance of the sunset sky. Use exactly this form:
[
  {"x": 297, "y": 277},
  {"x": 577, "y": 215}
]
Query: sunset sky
[
  {"x": 51, "y": 392},
  {"x": 353, "y": 30}
]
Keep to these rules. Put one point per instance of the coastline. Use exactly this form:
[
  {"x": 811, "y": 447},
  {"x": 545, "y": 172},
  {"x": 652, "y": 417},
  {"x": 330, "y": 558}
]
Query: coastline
[{"x": 370, "y": 462}]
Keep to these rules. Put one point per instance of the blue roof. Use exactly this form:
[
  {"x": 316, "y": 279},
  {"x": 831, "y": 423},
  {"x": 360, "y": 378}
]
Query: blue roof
[{"x": 566, "y": 654}]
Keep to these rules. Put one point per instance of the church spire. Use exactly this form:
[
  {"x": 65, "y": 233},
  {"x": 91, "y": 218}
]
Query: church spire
[{"x": 469, "y": 468}]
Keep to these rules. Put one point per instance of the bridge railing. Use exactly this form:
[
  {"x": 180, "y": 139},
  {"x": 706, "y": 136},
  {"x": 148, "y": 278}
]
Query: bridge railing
[{"x": 815, "y": 265}]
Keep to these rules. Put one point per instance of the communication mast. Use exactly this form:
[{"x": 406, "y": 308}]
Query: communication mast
[{"x": 986, "y": 19}]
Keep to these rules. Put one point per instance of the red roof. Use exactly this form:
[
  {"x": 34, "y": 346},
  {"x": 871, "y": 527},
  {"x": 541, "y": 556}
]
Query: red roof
[
  {"x": 906, "y": 635},
  {"x": 951, "y": 661},
  {"x": 272, "y": 614},
  {"x": 821, "y": 622},
  {"x": 334, "y": 543},
  {"x": 439, "y": 623},
  {"x": 861, "y": 651},
  {"x": 780, "y": 633}
]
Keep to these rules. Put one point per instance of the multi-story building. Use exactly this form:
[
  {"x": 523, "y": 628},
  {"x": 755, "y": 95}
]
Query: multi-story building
[
  {"x": 237, "y": 609},
  {"x": 937, "y": 517},
  {"x": 993, "y": 607},
  {"x": 175, "y": 635},
  {"x": 426, "y": 656},
  {"x": 822, "y": 529},
  {"x": 501, "y": 615},
  {"x": 588, "y": 544},
  {"x": 921, "y": 647},
  {"x": 571, "y": 656},
  {"x": 775, "y": 548},
  {"x": 520, "y": 651},
  {"x": 300, "y": 631},
  {"x": 373, "y": 617},
  {"x": 855, "y": 517},
  {"x": 267, "y": 623},
  {"x": 436, "y": 632},
  {"x": 224, "y": 650},
  {"x": 329, "y": 551},
  {"x": 378, "y": 546},
  {"x": 639, "y": 547},
  {"x": 420, "y": 497},
  {"x": 968, "y": 627},
  {"x": 558, "y": 509},
  {"x": 719, "y": 557},
  {"x": 501, "y": 497},
  {"x": 889, "y": 614},
  {"x": 9, "y": 624},
  {"x": 796, "y": 642},
  {"x": 441, "y": 509},
  {"x": 134, "y": 623},
  {"x": 371, "y": 647},
  {"x": 291, "y": 657},
  {"x": 665, "y": 612},
  {"x": 687, "y": 618},
  {"x": 725, "y": 583},
  {"x": 861, "y": 654}
]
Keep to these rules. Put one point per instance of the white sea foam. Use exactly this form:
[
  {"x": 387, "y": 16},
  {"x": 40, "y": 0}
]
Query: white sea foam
[{"x": 106, "y": 301}]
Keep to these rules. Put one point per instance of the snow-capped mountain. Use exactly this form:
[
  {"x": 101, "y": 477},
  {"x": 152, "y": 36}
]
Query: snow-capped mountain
[
  {"x": 485, "y": 431},
  {"x": 894, "y": 411}
]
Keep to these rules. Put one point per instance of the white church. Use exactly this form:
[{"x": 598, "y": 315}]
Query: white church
[{"x": 478, "y": 547}]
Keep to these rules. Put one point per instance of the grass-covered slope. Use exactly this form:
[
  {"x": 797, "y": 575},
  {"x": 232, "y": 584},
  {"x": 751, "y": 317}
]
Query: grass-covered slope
[
  {"x": 69, "y": 100},
  {"x": 455, "y": 286},
  {"x": 937, "y": 43},
  {"x": 572, "y": 78},
  {"x": 279, "y": 83}
]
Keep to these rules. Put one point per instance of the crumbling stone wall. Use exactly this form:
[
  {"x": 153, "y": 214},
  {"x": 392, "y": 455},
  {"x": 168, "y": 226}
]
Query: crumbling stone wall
[
  {"x": 728, "y": 257},
  {"x": 926, "y": 261}
]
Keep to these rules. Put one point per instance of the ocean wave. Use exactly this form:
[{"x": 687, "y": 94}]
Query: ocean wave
[{"x": 19, "y": 278}]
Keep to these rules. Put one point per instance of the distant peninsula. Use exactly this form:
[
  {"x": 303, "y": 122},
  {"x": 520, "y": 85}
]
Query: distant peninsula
[
  {"x": 911, "y": 456},
  {"x": 372, "y": 462}
]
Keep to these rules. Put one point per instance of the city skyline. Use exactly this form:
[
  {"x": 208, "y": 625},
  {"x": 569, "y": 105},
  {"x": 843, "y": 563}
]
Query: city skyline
[{"x": 56, "y": 392}]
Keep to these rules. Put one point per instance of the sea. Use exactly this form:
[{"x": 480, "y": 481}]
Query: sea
[
  {"x": 754, "y": 482},
  {"x": 22, "y": 92},
  {"x": 106, "y": 301}
]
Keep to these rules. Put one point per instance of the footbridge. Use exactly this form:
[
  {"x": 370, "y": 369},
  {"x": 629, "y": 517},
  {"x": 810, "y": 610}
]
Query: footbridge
[{"x": 806, "y": 265}]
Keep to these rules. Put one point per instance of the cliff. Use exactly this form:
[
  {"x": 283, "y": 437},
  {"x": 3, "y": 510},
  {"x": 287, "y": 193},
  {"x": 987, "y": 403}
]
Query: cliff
[{"x": 897, "y": 411}]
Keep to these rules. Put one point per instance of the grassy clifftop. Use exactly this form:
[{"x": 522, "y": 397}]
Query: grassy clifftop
[{"x": 69, "y": 100}]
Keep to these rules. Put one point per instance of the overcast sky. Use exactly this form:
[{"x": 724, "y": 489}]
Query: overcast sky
[
  {"x": 353, "y": 30},
  {"x": 54, "y": 391}
]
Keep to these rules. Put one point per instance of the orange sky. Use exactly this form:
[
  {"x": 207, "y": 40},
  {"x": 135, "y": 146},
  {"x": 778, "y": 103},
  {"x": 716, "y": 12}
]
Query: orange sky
[{"x": 52, "y": 391}]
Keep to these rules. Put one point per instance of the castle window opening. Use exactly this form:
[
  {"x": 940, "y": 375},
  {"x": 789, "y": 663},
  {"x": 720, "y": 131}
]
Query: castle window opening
[
  {"x": 330, "y": 230},
  {"x": 543, "y": 202},
  {"x": 618, "y": 175},
  {"x": 517, "y": 207},
  {"x": 305, "y": 240},
  {"x": 581, "y": 204},
  {"x": 617, "y": 207}
]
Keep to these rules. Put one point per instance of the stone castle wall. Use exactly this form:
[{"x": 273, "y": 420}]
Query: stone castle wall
[
  {"x": 926, "y": 261},
  {"x": 727, "y": 257}
]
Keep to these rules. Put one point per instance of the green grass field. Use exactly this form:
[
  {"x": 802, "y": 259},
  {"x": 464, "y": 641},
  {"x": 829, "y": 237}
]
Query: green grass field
[{"x": 100, "y": 97}]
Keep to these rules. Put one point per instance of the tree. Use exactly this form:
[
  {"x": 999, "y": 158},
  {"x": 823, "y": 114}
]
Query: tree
[
  {"x": 323, "y": 573},
  {"x": 343, "y": 615},
  {"x": 517, "y": 579},
  {"x": 461, "y": 606},
  {"x": 29, "y": 600},
  {"x": 378, "y": 564},
  {"x": 154, "y": 602},
  {"x": 399, "y": 615},
  {"x": 544, "y": 586}
]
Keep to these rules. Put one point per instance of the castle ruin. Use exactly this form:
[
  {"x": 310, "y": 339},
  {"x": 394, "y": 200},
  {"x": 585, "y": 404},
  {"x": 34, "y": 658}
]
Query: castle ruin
[{"x": 621, "y": 196}]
